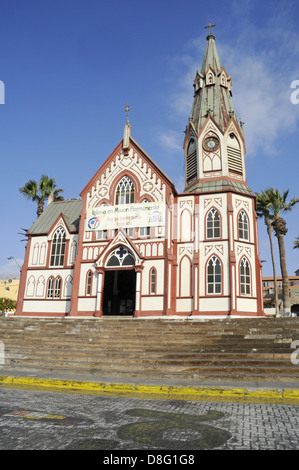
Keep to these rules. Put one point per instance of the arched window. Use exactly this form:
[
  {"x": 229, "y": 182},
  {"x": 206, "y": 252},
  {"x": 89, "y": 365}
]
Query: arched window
[
  {"x": 58, "y": 248},
  {"x": 214, "y": 276},
  {"x": 245, "y": 277},
  {"x": 191, "y": 167},
  {"x": 54, "y": 287},
  {"x": 50, "y": 287},
  {"x": 57, "y": 287},
  {"x": 121, "y": 257},
  {"x": 89, "y": 283},
  {"x": 243, "y": 226},
  {"x": 213, "y": 224},
  {"x": 152, "y": 281},
  {"x": 125, "y": 191}
]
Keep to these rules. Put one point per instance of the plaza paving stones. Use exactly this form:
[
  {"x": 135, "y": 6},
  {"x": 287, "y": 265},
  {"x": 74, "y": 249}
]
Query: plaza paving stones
[{"x": 44, "y": 420}]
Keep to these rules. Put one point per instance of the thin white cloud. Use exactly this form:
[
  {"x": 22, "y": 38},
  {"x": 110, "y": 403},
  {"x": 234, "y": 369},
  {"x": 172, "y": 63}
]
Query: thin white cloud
[{"x": 171, "y": 141}]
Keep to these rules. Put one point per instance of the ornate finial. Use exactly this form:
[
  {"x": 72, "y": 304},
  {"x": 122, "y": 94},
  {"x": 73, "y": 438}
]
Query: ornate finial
[
  {"x": 127, "y": 109},
  {"x": 210, "y": 25}
]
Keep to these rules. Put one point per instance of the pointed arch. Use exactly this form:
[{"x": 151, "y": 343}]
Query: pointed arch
[
  {"x": 243, "y": 225},
  {"x": 68, "y": 286},
  {"x": 214, "y": 275},
  {"x": 153, "y": 281},
  {"x": 89, "y": 281},
  {"x": 185, "y": 277},
  {"x": 234, "y": 154},
  {"x": 121, "y": 256},
  {"x": 54, "y": 287},
  {"x": 57, "y": 288},
  {"x": 191, "y": 161},
  {"x": 50, "y": 287},
  {"x": 186, "y": 225},
  {"x": 213, "y": 224},
  {"x": 125, "y": 191},
  {"x": 58, "y": 247},
  {"x": 40, "y": 286},
  {"x": 35, "y": 254},
  {"x": 30, "y": 287},
  {"x": 245, "y": 276}
]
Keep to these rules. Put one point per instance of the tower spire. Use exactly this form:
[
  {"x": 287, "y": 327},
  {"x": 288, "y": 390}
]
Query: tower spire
[
  {"x": 212, "y": 87},
  {"x": 214, "y": 143}
]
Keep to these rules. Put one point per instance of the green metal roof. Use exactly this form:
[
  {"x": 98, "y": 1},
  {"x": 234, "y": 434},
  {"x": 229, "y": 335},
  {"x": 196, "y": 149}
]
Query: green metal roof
[
  {"x": 70, "y": 209},
  {"x": 220, "y": 185}
]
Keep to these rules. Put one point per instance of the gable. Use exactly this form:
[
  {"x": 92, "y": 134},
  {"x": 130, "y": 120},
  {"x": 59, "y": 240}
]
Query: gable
[
  {"x": 120, "y": 239},
  {"x": 150, "y": 181}
]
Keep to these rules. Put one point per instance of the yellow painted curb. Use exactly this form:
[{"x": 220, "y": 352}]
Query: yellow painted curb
[{"x": 152, "y": 389}]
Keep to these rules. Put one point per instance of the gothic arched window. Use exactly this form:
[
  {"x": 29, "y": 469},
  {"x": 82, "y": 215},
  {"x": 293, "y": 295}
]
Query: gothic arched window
[
  {"x": 50, "y": 287},
  {"x": 152, "y": 281},
  {"x": 243, "y": 226},
  {"x": 213, "y": 224},
  {"x": 57, "y": 287},
  {"x": 58, "y": 248},
  {"x": 214, "y": 276},
  {"x": 125, "y": 191},
  {"x": 245, "y": 276},
  {"x": 89, "y": 283},
  {"x": 54, "y": 287}
]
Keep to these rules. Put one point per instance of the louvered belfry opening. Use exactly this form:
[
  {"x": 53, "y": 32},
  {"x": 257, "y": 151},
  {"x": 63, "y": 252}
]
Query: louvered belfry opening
[{"x": 191, "y": 162}]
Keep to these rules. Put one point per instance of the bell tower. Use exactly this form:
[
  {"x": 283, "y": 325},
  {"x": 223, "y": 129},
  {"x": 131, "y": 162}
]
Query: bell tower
[{"x": 214, "y": 144}]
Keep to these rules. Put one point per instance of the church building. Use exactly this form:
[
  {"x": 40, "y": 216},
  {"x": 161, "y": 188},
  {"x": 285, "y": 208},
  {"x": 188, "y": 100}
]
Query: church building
[{"x": 133, "y": 245}]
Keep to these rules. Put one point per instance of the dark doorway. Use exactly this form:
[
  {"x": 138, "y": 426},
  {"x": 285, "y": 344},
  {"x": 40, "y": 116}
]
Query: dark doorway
[{"x": 119, "y": 292}]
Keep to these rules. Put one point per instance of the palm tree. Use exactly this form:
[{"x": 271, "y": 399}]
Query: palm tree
[
  {"x": 278, "y": 205},
  {"x": 40, "y": 192},
  {"x": 296, "y": 243},
  {"x": 262, "y": 210}
]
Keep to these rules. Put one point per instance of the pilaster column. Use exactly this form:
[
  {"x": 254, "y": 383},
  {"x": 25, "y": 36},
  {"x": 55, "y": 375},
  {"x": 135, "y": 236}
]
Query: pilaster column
[
  {"x": 138, "y": 270},
  {"x": 100, "y": 291}
]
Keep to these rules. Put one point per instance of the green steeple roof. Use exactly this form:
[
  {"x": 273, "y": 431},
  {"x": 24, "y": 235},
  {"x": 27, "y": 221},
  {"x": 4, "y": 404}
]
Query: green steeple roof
[{"x": 212, "y": 87}]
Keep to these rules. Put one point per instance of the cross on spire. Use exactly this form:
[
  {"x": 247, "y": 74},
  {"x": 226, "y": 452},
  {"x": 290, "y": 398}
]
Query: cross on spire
[
  {"x": 210, "y": 25},
  {"x": 127, "y": 109}
]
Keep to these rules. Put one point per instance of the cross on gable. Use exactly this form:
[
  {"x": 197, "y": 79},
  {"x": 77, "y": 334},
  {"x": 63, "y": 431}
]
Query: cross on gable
[{"x": 127, "y": 109}]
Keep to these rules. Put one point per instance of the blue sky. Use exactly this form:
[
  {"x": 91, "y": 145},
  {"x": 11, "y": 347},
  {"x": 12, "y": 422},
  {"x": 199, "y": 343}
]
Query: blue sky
[{"x": 70, "y": 67}]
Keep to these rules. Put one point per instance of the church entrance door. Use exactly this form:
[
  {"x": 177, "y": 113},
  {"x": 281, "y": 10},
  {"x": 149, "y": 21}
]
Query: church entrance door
[{"x": 119, "y": 292}]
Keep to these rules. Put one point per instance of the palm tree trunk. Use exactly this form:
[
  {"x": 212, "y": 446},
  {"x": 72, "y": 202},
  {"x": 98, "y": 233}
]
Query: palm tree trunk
[
  {"x": 40, "y": 207},
  {"x": 270, "y": 231},
  {"x": 279, "y": 225}
]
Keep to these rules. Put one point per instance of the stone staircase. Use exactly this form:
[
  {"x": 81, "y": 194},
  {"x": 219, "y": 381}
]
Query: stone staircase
[{"x": 187, "y": 349}]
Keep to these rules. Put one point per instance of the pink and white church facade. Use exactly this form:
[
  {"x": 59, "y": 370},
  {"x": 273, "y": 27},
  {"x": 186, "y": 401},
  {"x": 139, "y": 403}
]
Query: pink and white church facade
[{"x": 132, "y": 245}]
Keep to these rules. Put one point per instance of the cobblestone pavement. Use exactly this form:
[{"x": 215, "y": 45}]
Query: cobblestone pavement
[{"x": 45, "y": 420}]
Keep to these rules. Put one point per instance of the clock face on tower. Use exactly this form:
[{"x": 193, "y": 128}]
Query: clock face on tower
[{"x": 211, "y": 143}]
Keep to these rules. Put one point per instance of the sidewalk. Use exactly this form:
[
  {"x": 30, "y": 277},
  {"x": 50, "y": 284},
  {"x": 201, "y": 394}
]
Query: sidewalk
[{"x": 193, "y": 389}]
